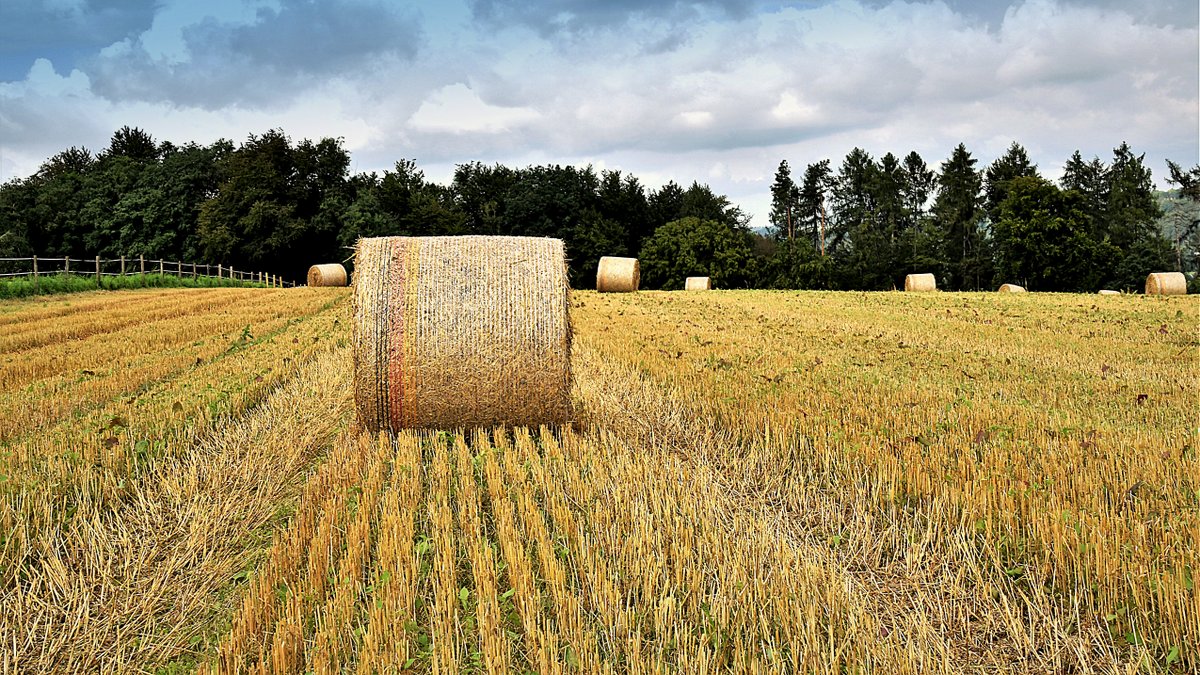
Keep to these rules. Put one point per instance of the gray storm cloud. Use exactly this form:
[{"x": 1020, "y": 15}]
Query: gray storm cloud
[
  {"x": 64, "y": 32},
  {"x": 264, "y": 63}
]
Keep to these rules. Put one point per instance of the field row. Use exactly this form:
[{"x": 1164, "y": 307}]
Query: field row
[
  {"x": 536, "y": 552},
  {"x": 78, "y": 447},
  {"x": 146, "y": 583}
]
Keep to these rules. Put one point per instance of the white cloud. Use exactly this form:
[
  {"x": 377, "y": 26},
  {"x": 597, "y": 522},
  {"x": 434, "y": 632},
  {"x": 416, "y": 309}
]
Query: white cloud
[
  {"x": 456, "y": 109},
  {"x": 696, "y": 119}
]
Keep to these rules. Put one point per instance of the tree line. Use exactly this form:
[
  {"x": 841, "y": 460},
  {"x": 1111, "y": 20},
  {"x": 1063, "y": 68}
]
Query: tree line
[
  {"x": 275, "y": 205},
  {"x": 871, "y": 222}
]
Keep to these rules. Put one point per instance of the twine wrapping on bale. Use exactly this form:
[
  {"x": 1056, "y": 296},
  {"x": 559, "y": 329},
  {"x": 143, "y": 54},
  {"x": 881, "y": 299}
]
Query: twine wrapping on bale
[
  {"x": 1011, "y": 288},
  {"x": 1166, "y": 283},
  {"x": 461, "y": 332},
  {"x": 697, "y": 284},
  {"x": 920, "y": 282},
  {"x": 618, "y": 275},
  {"x": 331, "y": 274},
  {"x": 1107, "y": 292}
]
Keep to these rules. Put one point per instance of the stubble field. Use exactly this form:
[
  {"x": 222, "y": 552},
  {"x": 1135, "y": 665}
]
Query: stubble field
[{"x": 755, "y": 482}]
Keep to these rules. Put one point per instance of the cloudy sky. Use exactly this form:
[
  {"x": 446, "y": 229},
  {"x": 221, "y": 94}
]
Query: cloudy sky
[{"x": 712, "y": 90}]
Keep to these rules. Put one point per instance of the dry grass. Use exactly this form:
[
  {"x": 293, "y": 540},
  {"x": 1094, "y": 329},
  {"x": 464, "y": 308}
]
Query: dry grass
[
  {"x": 1023, "y": 475},
  {"x": 75, "y": 443},
  {"x": 757, "y": 482}
]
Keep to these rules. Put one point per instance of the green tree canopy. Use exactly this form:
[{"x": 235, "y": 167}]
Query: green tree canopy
[{"x": 694, "y": 247}]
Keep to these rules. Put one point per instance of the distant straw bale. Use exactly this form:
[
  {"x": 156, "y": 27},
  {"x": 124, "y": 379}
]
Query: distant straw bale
[
  {"x": 1107, "y": 292},
  {"x": 330, "y": 274},
  {"x": 461, "y": 332},
  {"x": 697, "y": 284},
  {"x": 1166, "y": 283},
  {"x": 618, "y": 275},
  {"x": 920, "y": 282},
  {"x": 1011, "y": 288}
]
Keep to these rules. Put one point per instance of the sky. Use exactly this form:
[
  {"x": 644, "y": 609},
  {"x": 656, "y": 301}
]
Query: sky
[{"x": 716, "y": 91}]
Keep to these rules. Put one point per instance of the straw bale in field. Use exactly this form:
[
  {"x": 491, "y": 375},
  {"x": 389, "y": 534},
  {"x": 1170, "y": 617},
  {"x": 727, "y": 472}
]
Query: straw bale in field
[
  {"x": 697, "y": 284},
  {"x": 1011, "y": 288},
  {"x": 461, "y": 332},
  {"x": 618, "y": 275},
  {"x": 920, "y": 282},
  {"x": 330, "y": 274},
  {"x": 1166, "y": 283},
  {"x": 1107, "y": 292}
]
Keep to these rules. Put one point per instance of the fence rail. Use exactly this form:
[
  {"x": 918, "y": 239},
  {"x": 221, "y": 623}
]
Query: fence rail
[{"x": 130, "y": 266}]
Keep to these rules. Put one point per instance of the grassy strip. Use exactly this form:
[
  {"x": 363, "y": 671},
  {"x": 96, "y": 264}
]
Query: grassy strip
[{"x": 21, "y": 287}]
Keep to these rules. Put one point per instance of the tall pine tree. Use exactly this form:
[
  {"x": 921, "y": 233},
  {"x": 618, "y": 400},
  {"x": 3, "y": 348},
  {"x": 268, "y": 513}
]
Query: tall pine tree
[
  {"x": 959, "y": 216},
  {"x": 1014, "y": 164},
  {"x": 785, "y": 202}
]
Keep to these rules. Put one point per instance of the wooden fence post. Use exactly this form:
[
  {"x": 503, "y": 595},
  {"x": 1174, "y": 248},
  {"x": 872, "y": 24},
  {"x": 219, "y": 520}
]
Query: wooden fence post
[
  {"x": 160, "y": 267},
  {"x": 97, "y": 271},
  {"x": 218, "y": 270},
  {"x": 35, "y": 273},
  {"x": 193, "y": 270},
  {"x": 66, "y": 265},
  {"x": 122, "y": 265},
  {"x": 142, "y": 265}
]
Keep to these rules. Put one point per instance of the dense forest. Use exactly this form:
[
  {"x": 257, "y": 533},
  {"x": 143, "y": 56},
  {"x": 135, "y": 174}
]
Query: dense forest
[{"x": 276, "y": 206}]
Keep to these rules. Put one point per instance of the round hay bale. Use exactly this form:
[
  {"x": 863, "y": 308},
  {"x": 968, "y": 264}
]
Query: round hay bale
[
  {"x": 1107, "y": 292},
  {"x": 697, "y": 284},
  {"x": 330, "y": 274},
  {"x": 618, "y": 275},
  {"x": 920, "y": 282},
  {"x": 461, "y": 332},
  {"x": 1011, "y": 288},
  {"x": 1166, "y": 283}
]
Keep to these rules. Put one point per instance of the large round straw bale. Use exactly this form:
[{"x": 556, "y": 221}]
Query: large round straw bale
[
  {"x": 1166, "y": 283},
  {"x": 331, "y": 274},
  {"x": 920, "y": 282},
  {"x": 1107, "y": 292},
  {"x": 697, "y": 284},
  {"x": 461, "y": 332},
  {"x": 618, "y": 275},
  {"x": 1011, "y": 288}
]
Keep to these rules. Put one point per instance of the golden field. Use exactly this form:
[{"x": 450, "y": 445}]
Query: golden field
[{"x": 756, "y": 482}]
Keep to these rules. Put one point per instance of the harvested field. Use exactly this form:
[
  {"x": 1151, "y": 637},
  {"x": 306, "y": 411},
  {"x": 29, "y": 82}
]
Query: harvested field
[{"x": 754, "y": 482}]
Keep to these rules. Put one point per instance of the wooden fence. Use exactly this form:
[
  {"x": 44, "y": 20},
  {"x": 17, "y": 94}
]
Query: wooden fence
[{"x": 120, "y": 267}]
